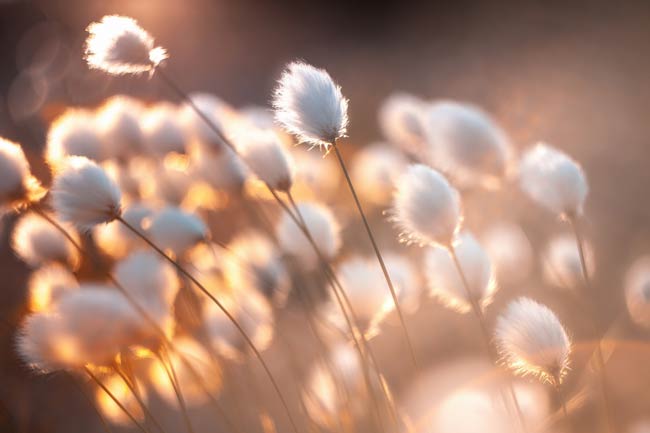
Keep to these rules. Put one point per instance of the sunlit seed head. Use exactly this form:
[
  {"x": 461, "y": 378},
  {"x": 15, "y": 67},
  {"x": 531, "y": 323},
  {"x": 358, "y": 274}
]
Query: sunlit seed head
[
  {"x": 118, "y": 45},
  {"x": 310, "y": 105},
  {"x": 223, "y": 171},
  {"x": 162, "y": 130},
  {"x": 445, "y": 282},
  {"x": 152, "y": 282},
  {"x": 175, "y": 230},
  {"x": 322, "y": 226},
  {"x": 317, "y": 178},
  {"x": 532, "y": 341},
  {"x": 121, "y": 391},
  {"x": 465, "y": 142},
  {"x": 265, "y": 155},
  {"x": 261, "y": 117},
  {"x": 36, "y": 242},
  {"x": 47, "y": 284},
  {"x": 426, "y": 207},
  {"x": 74, "y": 133},
  {"x": 553, "y": 180},
  {"x": 194, "y": 390},
  {"x": 561, "y": 262},
  {"x": 375, "y": 170},
  {"x": 452, "y": 414},
  {"x": 363, "y": 282},
  {"x": 83, "y": 194},
  {"x": 406, "y": 281},
  {"x": 637, "y": 291},
  {"x": 97, "y": 322},
  {"x": 118, "y": 121},
  {"x": 510, "y": 252},
  {"x": 255, "y": 316},
  {"x": 253, "y": 262},
  {"x": 197, "y": 128},
  {"x": 39, "y": 344},
  {"x": 17, "y": 185},
  {"x": 401, "y": 121},
  {"x": 116, "y": 240}
]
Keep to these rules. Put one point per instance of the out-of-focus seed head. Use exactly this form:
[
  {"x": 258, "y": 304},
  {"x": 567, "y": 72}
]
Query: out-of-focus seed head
[
  {"x": 426, "y": 207},
  {"x": 323, "y": 228},
  {"x": 637, "y": 291},
  {"x": 118, "y": 45},
  {"x": 267, "y": 158},
  {"x": 561, "y": 262},
  {"x": 309, "y": 105},
  {"x": 74, "y": 133},
  {"x": 118, "y": 121},
  {"x": 510, "y": 252},
  {"x": 553, "y": 180},
  {"x": 37, "y": 242},
  {"x": 401, "y": 120},
  {"x": 445, "y": 282},
  {"x": 466, "y": 143},
  {"x": 162, "y": 130},
  {"x": 177, "y": 231},
  {"x": 47, "y": 284},
  {"x": 375, "y": 170},
  {"x": 17, "y": 185}
]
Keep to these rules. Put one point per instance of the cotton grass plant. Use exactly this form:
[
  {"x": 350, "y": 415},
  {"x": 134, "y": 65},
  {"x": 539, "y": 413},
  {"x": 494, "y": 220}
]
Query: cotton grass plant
[{"x": 183, "y": 298}]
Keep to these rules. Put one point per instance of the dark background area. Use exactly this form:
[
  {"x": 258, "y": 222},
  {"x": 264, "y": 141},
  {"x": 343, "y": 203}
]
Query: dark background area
[{"x": 575, "y": 74}]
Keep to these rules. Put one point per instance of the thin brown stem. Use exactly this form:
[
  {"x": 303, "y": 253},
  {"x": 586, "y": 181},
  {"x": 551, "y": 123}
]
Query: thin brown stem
[
  {"x": 600, "y": 360},
  {"x": 136, "y": 393},
  {"x": 115, "y": 400},
  {"x": 92, "y": 403},
  {"x": 380, "y": 259},
  {"x": 485, "y": 333},
  {"x": 168, "y": 366},
  {"x": 230, "y": 317}
]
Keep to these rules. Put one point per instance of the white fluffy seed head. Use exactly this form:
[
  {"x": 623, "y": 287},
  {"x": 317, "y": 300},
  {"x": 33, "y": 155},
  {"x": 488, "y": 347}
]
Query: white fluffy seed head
[
  {"x": 561, "y": 262},
  {"x": 74, "y": 133},
  {"x": 465, "y": 142},
  {"x": 39, "y": 344},
  {"x": 177, "y": 231},
  {"x": 322, "y": 226},
  {"x": 267, "y": 158},
  {"x": 197, "y": 128},
  {"x": 310, "y": 105},
  {"x": 637, "y": 291},
  {"x": 17, "y": 185},
  {"x": 553, "y": 180},
  {"x": 375, "y": 169},
  {"x": 364, "y": 284},
  {"x": 445, "y": 282},
  {"x": 532, "y": 341},
  {"x": 510, "y": 252},
  {"x": 84, "y": 195},
  {"x": 253, "y": 262},
  {"x": 118, "y": 121},
  {"x": 47, "y": 284},
  {"x": 118, "y": 45},
  {"x": 152, "y": 282},
  {"x": 222, "y": 171},
  {"x": 162, "y": 130},
  {"x": 36, "y": 242},
  {"x": 401, "y": 121},
  {"x": 426, "y": 207}
]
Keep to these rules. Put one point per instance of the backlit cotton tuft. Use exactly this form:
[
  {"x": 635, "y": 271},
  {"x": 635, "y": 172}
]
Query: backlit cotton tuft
[
  {"x": 175, "y": 230},
  {"x": 74, "y": 133},
  {"x": 561, "y": 262},
  {"x": 553, "y": 180},
  {"x": 445, "y": 282},
  {"x": 401, "y": 120},
  {"x": 426, "y": 207},
  {"x": 310, "y": 105},
  {"x": 267, "y": 158},
  {"x": 17, "y": 185},
  {"x": 84, "y": 195},
  {"x": 323, "y": 228},
  {"x": 118, "y": 45},
  {"x": 532, "y": 341}
]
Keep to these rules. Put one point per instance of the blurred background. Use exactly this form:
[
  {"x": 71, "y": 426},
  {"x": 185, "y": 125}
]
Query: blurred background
[{"x": 574, "y": 74}]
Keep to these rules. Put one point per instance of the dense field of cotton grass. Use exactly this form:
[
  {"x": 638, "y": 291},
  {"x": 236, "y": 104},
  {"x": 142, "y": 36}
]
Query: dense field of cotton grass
[{"x": 201, "y": 268}]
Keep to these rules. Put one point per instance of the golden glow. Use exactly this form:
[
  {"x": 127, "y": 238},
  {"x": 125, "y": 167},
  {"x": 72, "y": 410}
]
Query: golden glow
[{"x": 123, "y": 394}]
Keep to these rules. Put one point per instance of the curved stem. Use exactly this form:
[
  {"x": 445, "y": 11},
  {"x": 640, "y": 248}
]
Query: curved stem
[
  {"x": 136, "y": 393},
  {"x": 230, "y": 317},
  {"x": 173, "y": 379},
  {"x": 389, "y": 282},
  {"x": 90, "y": 400},
  {"x": 485, "y": 333},
  {"x": 115, "y": 400}
]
